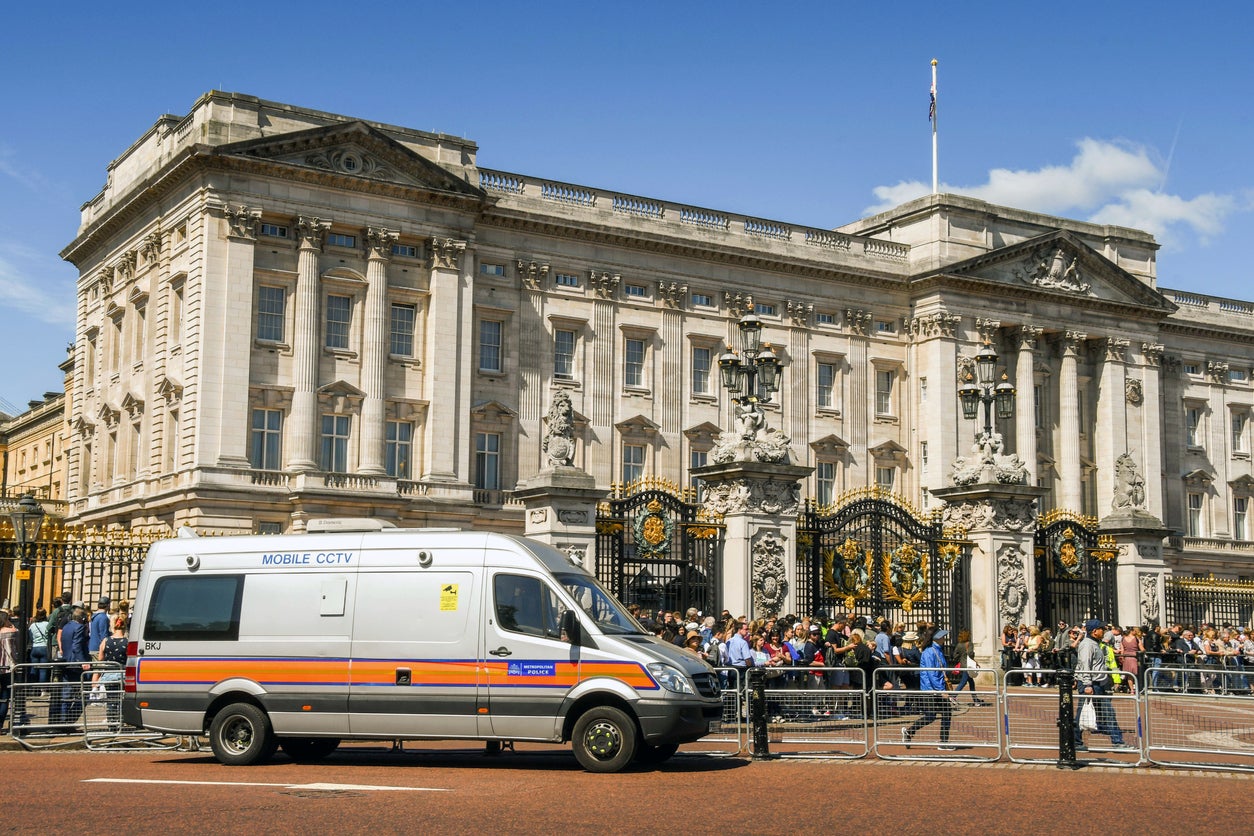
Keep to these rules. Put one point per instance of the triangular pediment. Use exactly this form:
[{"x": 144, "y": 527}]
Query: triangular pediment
[
  {"x": 1242, "y": 484},
  {"x": 889, "y": 449},
  {"x": 703, "y": 433},
  {"x": 1198, "y": 478},
  {"x": 1059, "y": 263},
  {"x": 493, "y": 411},
  {"x": 637, "y": 425},
  {"x": 830, "y": 444},
  {"x": 352, "y": 149}
]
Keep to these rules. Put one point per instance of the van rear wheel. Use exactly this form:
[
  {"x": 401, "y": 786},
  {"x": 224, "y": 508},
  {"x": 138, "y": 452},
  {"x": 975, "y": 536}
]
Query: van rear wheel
[
  {"x": 308, "y": 749},
  {"x": 240, "y": 735},
  {"x": 604, "y": 739}
]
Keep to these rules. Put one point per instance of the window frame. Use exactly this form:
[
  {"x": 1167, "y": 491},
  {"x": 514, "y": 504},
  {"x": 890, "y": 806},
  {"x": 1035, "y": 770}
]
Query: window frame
[
  {"x": 266, "y": 318},
  {"x": 498, "y": 347},
  {"x": 485, "y": 457},
  {"x": 394, "y": 335},
  {"x": 264, "y": 436},
  {"x": 346, "y": 323},
  {"x": 333, "y": 449},
  {"x": 398, "y": 453}
]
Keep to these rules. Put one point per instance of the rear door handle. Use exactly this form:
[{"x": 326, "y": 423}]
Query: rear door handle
[{"x": 502, "y": 651}]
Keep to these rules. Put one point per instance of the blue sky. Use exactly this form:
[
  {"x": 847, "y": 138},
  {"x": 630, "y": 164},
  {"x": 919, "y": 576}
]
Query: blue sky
[{"x": 1137, "y": 114}]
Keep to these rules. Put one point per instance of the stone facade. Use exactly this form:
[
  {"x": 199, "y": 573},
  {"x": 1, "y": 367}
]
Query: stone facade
[{"x": 285, "y": 313}]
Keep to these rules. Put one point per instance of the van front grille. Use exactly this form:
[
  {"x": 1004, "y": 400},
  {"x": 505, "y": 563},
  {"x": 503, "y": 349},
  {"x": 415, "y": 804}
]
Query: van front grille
[{"x": 707, "y": 684}]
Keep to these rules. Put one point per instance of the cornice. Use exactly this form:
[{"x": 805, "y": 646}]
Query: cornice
[
  {"x": 1026, "y": 292},
  {"x": 1191, "y": 329}
]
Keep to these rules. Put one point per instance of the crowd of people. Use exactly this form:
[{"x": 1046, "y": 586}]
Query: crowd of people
[{"x": 70, "y": 633}]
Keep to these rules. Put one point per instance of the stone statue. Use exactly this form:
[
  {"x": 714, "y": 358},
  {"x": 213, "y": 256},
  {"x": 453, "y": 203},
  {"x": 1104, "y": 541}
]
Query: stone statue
[
  {"x": 559, "y": 432},
  {"x": 752, "y": 440},
  {"x": 1054, "y": 271},
  {"x": 1129, "y": 486},
  {"x": 987, "y": 463}
]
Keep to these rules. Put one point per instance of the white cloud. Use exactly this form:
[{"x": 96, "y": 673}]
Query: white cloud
[
  {"x": 29, "y": 284},
  {"x": 1106, "y": 182}
]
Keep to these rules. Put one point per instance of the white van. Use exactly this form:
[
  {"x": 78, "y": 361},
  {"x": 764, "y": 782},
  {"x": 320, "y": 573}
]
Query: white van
[{"x": 301, "y": 641}]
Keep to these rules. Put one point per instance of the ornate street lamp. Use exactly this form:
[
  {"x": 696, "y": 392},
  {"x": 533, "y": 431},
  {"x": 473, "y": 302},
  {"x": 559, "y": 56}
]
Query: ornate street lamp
[
  {"x": 741, "y": 375},
  {"x": 979, "y": 389},
  {"x": 27, "y": 519}
]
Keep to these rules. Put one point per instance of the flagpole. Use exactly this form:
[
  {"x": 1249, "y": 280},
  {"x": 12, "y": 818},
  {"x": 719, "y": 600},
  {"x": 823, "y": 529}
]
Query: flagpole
[{"x": 934, "y": 178}]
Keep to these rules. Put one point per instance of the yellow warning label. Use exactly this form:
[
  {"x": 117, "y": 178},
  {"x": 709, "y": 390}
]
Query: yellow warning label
[
  {"x": 23, "y": 574},
  {"x": 448, "y": 597}
]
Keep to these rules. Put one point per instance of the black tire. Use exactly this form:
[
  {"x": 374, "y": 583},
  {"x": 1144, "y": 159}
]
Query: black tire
[
  {"x": 649, "y": 755},
  {"x": 308, "y": 749},
  {"x": 604, "y": 739},
  {"x": 240, "y": 735}
]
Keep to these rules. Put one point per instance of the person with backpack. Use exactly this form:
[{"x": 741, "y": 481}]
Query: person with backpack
[{"x": 37, "y": 641}]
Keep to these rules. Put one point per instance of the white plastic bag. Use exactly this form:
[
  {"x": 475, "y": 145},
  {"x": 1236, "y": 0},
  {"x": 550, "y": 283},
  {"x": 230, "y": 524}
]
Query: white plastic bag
[{"x": 1088, "y": 716}]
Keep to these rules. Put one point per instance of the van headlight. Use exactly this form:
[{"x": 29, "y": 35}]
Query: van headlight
[{"x": 672, "y": 679}]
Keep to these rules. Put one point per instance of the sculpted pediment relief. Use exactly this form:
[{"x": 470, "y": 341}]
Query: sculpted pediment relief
[
  {"x": 352, "y": 149},
  {"x": 1060, "y": 263}
]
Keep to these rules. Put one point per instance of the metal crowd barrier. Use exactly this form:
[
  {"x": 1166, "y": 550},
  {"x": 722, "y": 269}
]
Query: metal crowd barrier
[
  {"x": 912, "y": 724},
  {"x": 817, "y": 712},
  {"x": 77, "y": 702},
  {"x": 729, "y": 732},
  {"x": 1187, "y": 727}
]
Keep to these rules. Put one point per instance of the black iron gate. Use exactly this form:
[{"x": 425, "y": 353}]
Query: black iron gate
[
  {"x": 87, "y": 562},
  {"x": 656, "y": 547},
  {"x": 873, "y": 555},
  {"x": 1075, "y": 571}
]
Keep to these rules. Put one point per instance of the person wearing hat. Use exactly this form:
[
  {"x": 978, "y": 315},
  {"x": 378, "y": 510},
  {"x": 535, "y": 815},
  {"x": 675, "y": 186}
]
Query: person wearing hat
[
  {"x": 1092, "y": 676},
  {"x": 99, "y": 628},
  {"x": 692, "y": 641},
  {"x": 934, "y": 683}
]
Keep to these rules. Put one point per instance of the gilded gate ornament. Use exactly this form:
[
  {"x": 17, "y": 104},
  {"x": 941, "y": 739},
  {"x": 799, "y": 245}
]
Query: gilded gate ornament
[
  {"x": 1069, "y": 553},
  {"x": 850, "y": 580},
  {"x": 905, "y": 576},
  {"x": 653, "y": 531}
]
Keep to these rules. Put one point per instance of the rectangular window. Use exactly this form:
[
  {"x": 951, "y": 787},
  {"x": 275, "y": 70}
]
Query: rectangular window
[
  {"x": 1238, "y": 432},
  {"x": 825, "y": 391},
  {"x": 267, "y": 437},
  {"x": 636, "y": 291},
  {"x": 633, "y": 462},
  {"x": 700, "y": 370},
  {"x": 406, "y": 250},
  {"x": 1192, "y": 368},
  {"x": 564, "y": 354},
  {"x": 488, "y": 461},
  {"x": 175, "y": 330},
  {"x": 274, "y": 230},
  {"x": 400, "y": 446},
  {"x": 922, "y": 390},
  {"x": 763, "y": 309},
  {"x": 825, "y": 318},
  {"x": 335, "y": 443},
  {"x": 633, "y": 363},
  {"x": 1240, "y": 528},
  {"x": 528, "y": 606},
  {"x": 336, "y": 239},
  {"x": 339, "y": 316},
  {"x": 198, "y": 608},
  {"x": 401, "y": 330},
  {"x": 1192, "y": 426},
  {"x": 825, "y": 482},
  {"x": 702, "y": 300},
  {"x": 696, "y": 458},
  {"x": 1237, "y": 375},
  {"x": 923, "y": 457},
  {"x": 270, "y": 303},
  {"x": 492, "y": 269},
  {"x": 269, "y": 527},
  {"x": 1195, "y": 515},
  {"x": 139, "y": 334},
  {"x": 883, "y": 326},
  {"x": 1038, "y": 406},
  {"x": 489, "y": 345},
  {"x": 885, "y": 476},
  {"x": 566, "y": 280},
  {"x": 884, "y": 392},
  {"x": 115, "y": 345},
  {"x": 172, "y": 441},
  {"x": 89, "y": 363}
]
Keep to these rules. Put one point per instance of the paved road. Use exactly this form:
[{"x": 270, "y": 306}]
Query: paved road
[{"x": 541, "y": 789}]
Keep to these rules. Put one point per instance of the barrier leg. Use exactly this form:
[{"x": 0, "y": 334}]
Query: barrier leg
[
  {"x": 1066, "y": 721},
  {"x": 757, "y": 714}
]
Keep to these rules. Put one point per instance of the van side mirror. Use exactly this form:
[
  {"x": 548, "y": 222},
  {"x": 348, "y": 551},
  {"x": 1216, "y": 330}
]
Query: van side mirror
[{"x": 571, "y": 629}]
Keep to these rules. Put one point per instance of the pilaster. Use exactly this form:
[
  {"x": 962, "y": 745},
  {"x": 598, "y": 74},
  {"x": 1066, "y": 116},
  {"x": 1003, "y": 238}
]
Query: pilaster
[
  {"x": 374, "y": 350},
  {"x": 448, "y": 365},
  {"x": 1070, "y": 495},
  {"x": 231, "y": 336},
  {"x": 1025, "y": 399},
  {"x": 300, "y": 434}
]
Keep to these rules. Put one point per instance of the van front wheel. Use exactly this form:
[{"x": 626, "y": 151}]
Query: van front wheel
[
  {"x": 240, "y": 735},
  {"x": 604, "y": 739}
]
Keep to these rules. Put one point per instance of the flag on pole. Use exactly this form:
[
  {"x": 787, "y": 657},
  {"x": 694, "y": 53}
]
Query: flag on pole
[{"x": 931, "y": 111}]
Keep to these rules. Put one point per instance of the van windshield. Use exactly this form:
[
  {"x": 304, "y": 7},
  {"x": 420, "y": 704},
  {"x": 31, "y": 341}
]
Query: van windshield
[{"x": 599, "y": 604}]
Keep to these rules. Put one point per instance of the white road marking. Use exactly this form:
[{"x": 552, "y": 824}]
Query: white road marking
[{"x": 325, "y": 787}]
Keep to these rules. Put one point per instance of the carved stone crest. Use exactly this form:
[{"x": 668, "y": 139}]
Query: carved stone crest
[
  {"x": 1133, "y": 392},
  {"x": 1149, "y": 597},
  {"x": 1003, "y": 514},
  {"x": 1053, "y": 269},
  {"x": 988, "y": 464},
  {"x": 752, "y": 440},
  {"x": 1129, "y": 486},
  {"x": 558, "y": 444},
  {"x": 743, "y": 494},
  {"x": 770, "y": 578},
  {"x": 1012, "y": 585}
]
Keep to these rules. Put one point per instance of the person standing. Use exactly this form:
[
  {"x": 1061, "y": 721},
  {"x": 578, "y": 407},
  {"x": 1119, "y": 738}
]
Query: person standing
[
  {"x": 934, "y": 684},
  {"x": 72, "y": 641},
  {"x": 1092, "y": 675},
  {"x": 739, "y": 653},
  {"x": 8, "y": 660},
  {"x": 37, "y": 640},
  {"x": 99, "y": 629}
]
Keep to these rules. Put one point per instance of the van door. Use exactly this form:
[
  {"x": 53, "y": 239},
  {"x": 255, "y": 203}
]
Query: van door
[
  {"x": 415, "y": 654},
  {"x": 530, "y": 667}
]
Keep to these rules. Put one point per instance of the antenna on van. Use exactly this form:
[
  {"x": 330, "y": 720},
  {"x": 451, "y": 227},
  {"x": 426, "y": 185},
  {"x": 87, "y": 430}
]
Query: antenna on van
[{"x": 186, "y": 532}]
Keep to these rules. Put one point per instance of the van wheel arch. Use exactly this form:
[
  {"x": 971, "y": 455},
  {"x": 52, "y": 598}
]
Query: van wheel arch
[
  {"x": 590, "y": 701},
  {"x": 222, "y": 701}
]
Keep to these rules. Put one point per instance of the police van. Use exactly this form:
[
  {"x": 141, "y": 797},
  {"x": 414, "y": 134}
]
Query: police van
[{"x": 357, "y": 630}]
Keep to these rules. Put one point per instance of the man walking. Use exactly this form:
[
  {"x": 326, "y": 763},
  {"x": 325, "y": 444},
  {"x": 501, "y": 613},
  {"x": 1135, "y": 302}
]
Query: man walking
[
  {"x": 1093, "y": 681},
  {"x": 934, "y": 684}
]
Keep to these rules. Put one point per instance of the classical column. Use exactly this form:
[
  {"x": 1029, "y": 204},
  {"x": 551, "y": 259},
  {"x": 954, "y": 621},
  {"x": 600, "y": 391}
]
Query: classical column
[
  {"x": 1070, "y": 495},
  {"x": 1025, "y": 400},
  {"x": 300, "y": 435},
  {"x": 232, "y": 354},
  {"x": 1110, "y": 427},
  {"x": 374, "y": 348},
  {"x": 447, "y": 365},
  {"x": 1152, "y": 427}
]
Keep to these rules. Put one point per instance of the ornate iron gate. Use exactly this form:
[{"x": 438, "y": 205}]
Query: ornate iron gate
[
  {"x": 1075, "y": 571},
  {"x": 873, "y": 554},
  {"x": 89, "y": 562},
  {"x": 658, "y": 548}
]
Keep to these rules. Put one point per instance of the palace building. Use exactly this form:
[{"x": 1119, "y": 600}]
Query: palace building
[{"x": 286, "y": 314}]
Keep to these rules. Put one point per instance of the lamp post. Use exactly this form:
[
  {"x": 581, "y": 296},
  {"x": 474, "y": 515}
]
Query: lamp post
[
  {"x": 741, "y": 374},
  {"x": 27, "y": 519},
  {"x": 980, "y": 388}
]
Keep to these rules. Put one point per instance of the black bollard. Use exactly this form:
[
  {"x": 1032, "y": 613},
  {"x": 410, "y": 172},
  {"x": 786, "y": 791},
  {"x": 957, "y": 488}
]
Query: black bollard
[
  {"x": 757, "y": 714},
  {"x": 1066, "y": 720}
]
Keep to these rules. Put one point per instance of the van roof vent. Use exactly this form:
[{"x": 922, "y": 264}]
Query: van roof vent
[{"x": 335, "y": 525}]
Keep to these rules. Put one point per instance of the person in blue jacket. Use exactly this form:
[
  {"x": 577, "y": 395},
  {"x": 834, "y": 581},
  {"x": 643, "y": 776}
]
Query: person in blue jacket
[{"x": 934, "y": 684}]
